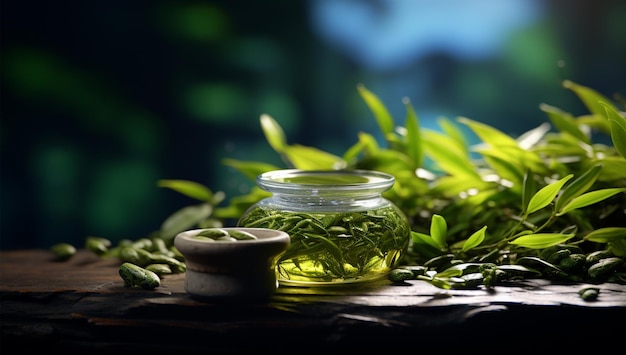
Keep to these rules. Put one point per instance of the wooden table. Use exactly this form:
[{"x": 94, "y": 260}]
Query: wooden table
[{"x": 82, "y": 306}]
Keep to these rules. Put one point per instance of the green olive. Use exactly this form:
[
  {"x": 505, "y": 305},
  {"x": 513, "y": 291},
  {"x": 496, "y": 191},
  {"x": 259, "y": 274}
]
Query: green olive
[
  {"x": 604, "y": 267},
  {"x": 130, "y": 254},
  {"x": 573, "y": 262},
  {"x": 400, "y": 275},
  {"x": 225, "y": 239},
  {"x": 559, "y": 255},
  {"x": 589, "y": 293},
  {"x": 144, "y": 257},
  {"x": 213, "y": 233},
  {"x": 97, "y": 245},
  {"x": 143, "y": 243},
  {"x": 241, "y": 235},
  {"x": 597, "y": 255},
  {"x": 63, "y": 251},
  {"x": 159, "y": 269},
  {"x": 203, "y": 238},
  {"x": 136, "y": 276},
  {"x": 158, "y": 246},
  {"x": 176, "y": 265}
]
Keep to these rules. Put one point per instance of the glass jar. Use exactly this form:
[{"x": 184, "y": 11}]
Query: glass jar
[{"x": 342, "y": 230}]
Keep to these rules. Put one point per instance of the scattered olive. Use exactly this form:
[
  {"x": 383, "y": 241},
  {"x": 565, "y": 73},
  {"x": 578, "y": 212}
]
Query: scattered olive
[
  {"x": 63, "y": 251},
  {"x": 136, "y": 276},
  {"x": 223, "y": 235},
  {"x": 400, "y": 275},
  {"x": 159, "y": 269},
  {"x": 589, "y": 293},
  {"x": 97, "y": 245}
]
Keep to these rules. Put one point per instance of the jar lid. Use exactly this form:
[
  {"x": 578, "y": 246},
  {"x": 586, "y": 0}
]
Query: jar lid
[{"x": 296, "y": 181}]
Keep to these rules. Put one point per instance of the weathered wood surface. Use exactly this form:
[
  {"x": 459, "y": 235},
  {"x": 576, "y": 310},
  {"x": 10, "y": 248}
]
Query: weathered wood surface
[{"x": 82, "y": 305}]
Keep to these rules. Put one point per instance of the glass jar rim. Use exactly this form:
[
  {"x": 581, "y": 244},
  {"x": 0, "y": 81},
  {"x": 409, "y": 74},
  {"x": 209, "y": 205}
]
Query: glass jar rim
[{"x": 301, "y": 181}]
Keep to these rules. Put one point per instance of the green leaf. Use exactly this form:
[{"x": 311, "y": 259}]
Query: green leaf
[
  {"x": 396, "y": 140},
  {"x": 488, "y": 134},
  {"x": 483, "y": 198},
  {"x": 541, "y": 240},
  {"x": 618, "y": 135},
  {"x": 545, "y": 195},
  {"x": 517, "y": 156},
  {"x": 475, "y": 239},
  {"x": 564, "y": 122},
  {"x": 366, "y": 144},
  {"x": 413, "y": 137},
  {"x": 408, "y": 187},
  {"x": 607, "y": 234},
  {"x": 460, "y": 269},
  {"x": 454, "y": 132},
  {"x": 369, "y": 142},
  {"x": 618, "y": 247},
  {"x": 528, "y": 190},
  {"x": 439, "y": 230},
  {"x": 424, "y": 245},
  {"x": 445, "y": 153},
  {"x": 251, "y": 169},
  {"x": 184, "y": 219},
  {"x": 598, "y": 122},
  {"x": 310, "y": 158},
  {"x": 389, "y": 161},
  {"x": 453, "y": 271},
  {"x": 427, "y": 239},
  {"x": 274, "y": 133},
  {"x": 503, "y": 167},
  {"x": 591, "y": 98},
  {"x": 578, "y": 186},
  {"x": 613, "y": 168},
  {"x": 589, "y": 198},
  {"x": 188, "y": 188},
  {"x": 562, "y": 145},
  {"x": 239, "y": 204},
  {"x": 354, "y": 152},
  {"x": 618, "y": 128},
  {"x": 382, "y": 115},
  {"x": 452, "y": 186}
]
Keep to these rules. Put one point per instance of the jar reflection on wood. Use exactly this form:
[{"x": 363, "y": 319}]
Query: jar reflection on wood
[{"x": 342, "y": 230}]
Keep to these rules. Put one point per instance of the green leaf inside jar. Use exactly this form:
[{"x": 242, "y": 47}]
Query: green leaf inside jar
[{"x": 335, "y": 246}]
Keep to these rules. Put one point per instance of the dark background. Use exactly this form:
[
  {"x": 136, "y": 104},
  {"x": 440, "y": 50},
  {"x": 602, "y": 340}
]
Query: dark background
[{"x": 100, "y": 99}]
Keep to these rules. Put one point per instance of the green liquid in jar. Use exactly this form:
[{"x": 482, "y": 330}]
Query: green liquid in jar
[{"x": 335, "y": 247}]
